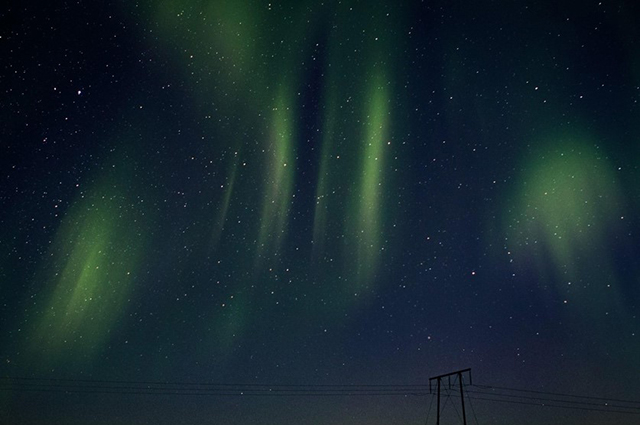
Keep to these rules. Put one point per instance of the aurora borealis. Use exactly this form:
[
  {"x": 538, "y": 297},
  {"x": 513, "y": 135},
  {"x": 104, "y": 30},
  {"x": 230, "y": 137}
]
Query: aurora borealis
[{"x": 318, "y": 193}]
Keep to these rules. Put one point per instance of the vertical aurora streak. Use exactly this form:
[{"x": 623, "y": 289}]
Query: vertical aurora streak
[
  {"x": 224, "y": 204},
  {"x": 279, "y": 178},
  {"x": 370, "y": 204}
]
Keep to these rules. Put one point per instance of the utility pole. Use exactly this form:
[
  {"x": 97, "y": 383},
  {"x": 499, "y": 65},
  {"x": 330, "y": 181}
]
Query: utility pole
[{"x": 457, "y": 374}]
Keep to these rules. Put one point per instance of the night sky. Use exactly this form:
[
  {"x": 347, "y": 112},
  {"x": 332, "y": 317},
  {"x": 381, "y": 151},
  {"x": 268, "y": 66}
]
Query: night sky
[{"x": 318, "y": 193}]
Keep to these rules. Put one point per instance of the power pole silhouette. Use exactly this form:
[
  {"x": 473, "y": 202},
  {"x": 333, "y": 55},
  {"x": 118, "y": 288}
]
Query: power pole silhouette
[{"x": 456, "y": 375}]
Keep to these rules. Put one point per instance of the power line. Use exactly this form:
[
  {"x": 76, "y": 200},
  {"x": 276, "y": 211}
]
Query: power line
[
  {"x": 203, "y": 393},
  {"x": 210, "y": 389},
  {"x": 552, "y": 405},
  {"x": 493, "y": 387},
  {"x": 166, "y": 388},
  {"x": 422, "y": 387},
  {"x": 603, "y": 404},
  {"x": 483, "y": 392},
  {"x": 584, "y": 403}
]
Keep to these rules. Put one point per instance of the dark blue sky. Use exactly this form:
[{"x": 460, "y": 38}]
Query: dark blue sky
[{"x": 305, "y": 193}]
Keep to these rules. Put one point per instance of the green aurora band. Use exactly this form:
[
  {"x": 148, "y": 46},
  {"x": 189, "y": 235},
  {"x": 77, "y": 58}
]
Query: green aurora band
[
  {"x": 279, "y": 177},
  {"x": 370, "y": 200},
  {"x": 244, "y": 66},
  {"x": 246, "y": 57},
  {"x": 564, "y": 218},
  {"x": 89, "y": 277}
]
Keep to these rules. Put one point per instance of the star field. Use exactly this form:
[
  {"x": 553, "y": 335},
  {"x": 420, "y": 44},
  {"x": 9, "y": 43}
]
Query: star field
[{"x": 317, "y": 193}]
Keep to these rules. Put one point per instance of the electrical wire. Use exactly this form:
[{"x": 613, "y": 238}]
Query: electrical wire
[
  {"x": 584, "y": 403},
  {"x": 558, "y": 406},
  {"x": 493, "y": 387},
  {"x": 208, "y": 393},
  {"x": 221, "y": 384},
  {"x": 479, "y": 393},
  {"x": 555, "y": 400},
  {"x": 165, "y": 388}
]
